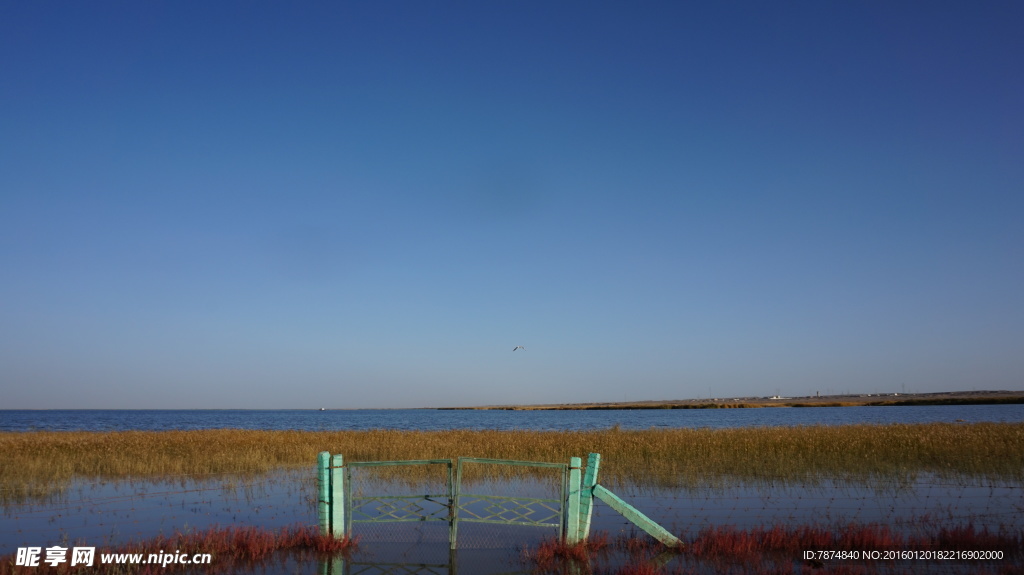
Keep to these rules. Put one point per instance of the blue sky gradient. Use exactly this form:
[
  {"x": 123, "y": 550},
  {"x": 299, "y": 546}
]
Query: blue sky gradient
[{"x": 270, "y": 205}]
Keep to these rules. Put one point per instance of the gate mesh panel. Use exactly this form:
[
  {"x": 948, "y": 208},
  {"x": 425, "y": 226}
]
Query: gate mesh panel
[
  {"x": 502, "y": 505},
  {"x": 400, "y": 514}
]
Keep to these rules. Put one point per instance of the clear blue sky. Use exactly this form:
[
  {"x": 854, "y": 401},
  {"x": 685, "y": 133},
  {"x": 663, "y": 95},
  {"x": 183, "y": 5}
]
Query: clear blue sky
[{"x": 278, "y": 205}]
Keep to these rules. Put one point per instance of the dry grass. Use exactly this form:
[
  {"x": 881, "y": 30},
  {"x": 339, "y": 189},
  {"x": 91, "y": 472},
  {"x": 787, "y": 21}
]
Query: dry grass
[{"x": 35, "y": 462}]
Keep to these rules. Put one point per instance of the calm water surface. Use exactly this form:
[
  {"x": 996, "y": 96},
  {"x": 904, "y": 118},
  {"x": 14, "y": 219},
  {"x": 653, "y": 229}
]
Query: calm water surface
[
  {"x": 432, "y": 419},
  {"x": 105, "y": 512}
]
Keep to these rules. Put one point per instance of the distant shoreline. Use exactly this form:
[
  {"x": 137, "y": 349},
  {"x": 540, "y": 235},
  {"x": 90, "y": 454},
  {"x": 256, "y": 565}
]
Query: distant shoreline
[{"x": 851, "y": 400}]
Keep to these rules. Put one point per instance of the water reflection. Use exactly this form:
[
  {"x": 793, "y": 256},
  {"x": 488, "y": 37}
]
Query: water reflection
[
  {"x": 912, "y": 505},
  {"x": 483, "y": 562},
  {"x": 111, "y": 512}
]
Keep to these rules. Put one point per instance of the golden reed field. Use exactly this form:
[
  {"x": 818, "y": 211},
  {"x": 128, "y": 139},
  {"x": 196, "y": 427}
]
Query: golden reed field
[{"x": 35, "y": 463}]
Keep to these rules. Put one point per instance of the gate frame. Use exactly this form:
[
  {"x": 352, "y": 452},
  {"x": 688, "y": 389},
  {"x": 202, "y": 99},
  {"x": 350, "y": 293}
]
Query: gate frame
[
  {"x": 449, "y": 487},
  {"x": 564, "y": 514},
  {"x": 334, "y": 507}
]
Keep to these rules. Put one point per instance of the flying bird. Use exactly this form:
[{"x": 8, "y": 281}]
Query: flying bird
[{"x": 518, "y": 347}]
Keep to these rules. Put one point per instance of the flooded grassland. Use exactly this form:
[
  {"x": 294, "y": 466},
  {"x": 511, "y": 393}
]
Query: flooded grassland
[{"x": 911, "y": 481}]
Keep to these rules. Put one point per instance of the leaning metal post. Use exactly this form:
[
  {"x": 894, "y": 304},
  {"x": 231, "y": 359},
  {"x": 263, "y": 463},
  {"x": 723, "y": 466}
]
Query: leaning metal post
[
  {"x": 637, "y": 518},
  {"x": 587, "y": 494}
]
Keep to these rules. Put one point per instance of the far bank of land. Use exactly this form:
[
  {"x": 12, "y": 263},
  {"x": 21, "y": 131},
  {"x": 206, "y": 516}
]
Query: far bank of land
[{"x": 849, "y": 400}]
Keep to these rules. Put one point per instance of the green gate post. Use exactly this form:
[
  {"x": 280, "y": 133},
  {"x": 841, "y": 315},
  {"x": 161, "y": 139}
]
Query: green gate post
[
  {"x": 572, "y": 526},
  {"x": 339, "y": 526},
  {"x": 323, "y": 464},
  {"x": 332, "y": 565},
  {"x": 587, "y": 494}
]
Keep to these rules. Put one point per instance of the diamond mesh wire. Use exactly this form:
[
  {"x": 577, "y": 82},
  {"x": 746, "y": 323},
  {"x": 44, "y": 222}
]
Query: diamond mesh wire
[
  {"x": 399, "y": 503},
  {"x": 503, "y": 505},
  {"x": 400, "y": 513}
]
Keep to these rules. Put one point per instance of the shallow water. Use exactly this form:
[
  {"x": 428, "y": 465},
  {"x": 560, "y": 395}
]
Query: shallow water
[
  {"x": 108, "y": 512},
  {"x": 100, "y": 513}
]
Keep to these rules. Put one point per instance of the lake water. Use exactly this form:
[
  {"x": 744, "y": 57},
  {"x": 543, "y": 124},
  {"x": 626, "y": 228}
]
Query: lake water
[{"x": 434, "y": 419}]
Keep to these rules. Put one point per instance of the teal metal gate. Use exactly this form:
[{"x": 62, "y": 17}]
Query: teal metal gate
[
  {"x": 340, "y": 508},
  {"x": 571, "y": 512}
]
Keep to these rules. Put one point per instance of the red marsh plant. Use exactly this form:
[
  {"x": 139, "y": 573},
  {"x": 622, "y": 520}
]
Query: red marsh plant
[
  {"x": 728, "y": 541},
  {"x": 645, "y": 555},
  {"x": 228, "y": 546},
  {"x": 553, "y": 555},
  {"x": 779, "y": 549}
]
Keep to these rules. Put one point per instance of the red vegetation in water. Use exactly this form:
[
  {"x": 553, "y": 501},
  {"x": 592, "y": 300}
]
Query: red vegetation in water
[
  {"x": 726, "y": 541},
  {"x": 638, "y": 546},
  {"x": 639, "y": 569},
  {"x": 645, "y": 555},
  {"x": 779, "y": 549},
  {"x": 556, "y": 556},
  {"x": 227, "y": 546},
  {"x": 967, "y": 538}
]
